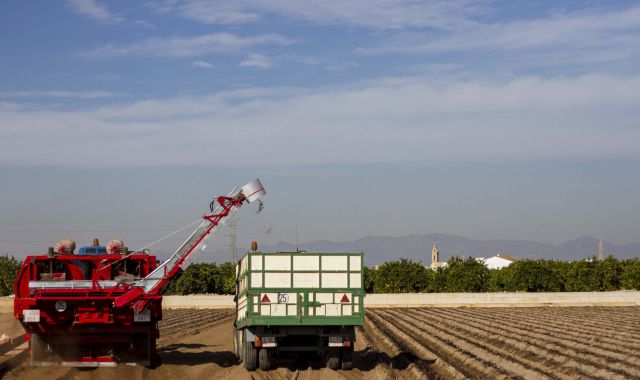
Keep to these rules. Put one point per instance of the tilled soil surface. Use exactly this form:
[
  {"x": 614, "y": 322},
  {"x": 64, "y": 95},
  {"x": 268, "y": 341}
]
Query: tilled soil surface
[
  {"x": 529, "y": 343},
  {"x": 401, "y": 343}
]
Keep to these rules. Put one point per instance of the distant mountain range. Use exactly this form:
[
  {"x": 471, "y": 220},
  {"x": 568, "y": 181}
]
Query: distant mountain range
[{"x": 379, "y": 249}]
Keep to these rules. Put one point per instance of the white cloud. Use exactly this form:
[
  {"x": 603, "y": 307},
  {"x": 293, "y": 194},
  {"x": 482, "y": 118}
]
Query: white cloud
[
  {"x": 258, "y": 61},
  {"x": 202, "y": 64},
  {"x": 342, "y": 66},
  {"x": 144, "y": 24},
  {"x": 58, "y": 94},
  {"x": 378, "y": 14},
  {"x": 397, "y": 120},
  {"x": 573, "y": 31},
  {"x": 188, "y": 46},
  {"x": 94, "y": 10}
]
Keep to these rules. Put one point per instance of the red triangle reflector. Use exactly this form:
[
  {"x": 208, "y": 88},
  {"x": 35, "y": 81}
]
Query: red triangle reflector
[
  {"x": 265, "y": 299},
  {"x": 345, "y": 298}
]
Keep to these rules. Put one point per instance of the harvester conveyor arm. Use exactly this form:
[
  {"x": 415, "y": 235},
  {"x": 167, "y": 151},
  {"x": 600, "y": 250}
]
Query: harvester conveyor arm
[{"x": 227, "y": 206}]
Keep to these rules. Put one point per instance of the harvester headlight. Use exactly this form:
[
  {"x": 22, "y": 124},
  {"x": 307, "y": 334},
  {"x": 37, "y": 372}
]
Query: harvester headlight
[{"x": 61, "y": 306}]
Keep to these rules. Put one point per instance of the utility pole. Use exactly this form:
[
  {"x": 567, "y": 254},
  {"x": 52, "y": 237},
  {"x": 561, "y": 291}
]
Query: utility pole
[
  {"x": 601, "y": 250},
  {"x": 233, "y": 240}
]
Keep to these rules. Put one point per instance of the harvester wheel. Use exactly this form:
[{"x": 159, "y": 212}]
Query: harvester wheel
[
  {"x": 333, "y": 358},
  {"x": 265, "y": 359},
  {"x": 38, "y": 348},
  {"x": 347, "y": 358}
]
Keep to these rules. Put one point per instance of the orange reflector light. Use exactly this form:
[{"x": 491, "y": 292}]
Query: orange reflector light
[{"x": 258, "y": 342}]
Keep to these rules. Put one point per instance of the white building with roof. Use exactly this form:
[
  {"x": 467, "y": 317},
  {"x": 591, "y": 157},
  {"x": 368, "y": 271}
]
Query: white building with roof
[{"x": 498, "y": 261}]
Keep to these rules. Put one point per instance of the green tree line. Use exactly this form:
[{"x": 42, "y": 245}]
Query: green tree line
[
  {"x": 470, "y": 275},
  {"x": 407, "y": 276}
]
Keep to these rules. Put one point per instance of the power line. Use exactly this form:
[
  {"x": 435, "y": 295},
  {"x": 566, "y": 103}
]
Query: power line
[
  {"x": 53, "y": 241},
  {"x": 79, "y": 231}
]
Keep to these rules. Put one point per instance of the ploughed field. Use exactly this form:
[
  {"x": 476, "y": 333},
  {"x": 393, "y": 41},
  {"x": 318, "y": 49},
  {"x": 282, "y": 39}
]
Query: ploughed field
[
  {"x": 400, "y": 343},
  {"x": 556, "y": 343}
]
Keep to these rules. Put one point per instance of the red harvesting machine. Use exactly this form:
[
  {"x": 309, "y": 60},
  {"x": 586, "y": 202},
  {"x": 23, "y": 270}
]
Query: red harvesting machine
[{"x": 101, "y": 306}]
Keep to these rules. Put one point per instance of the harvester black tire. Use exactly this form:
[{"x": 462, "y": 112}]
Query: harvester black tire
[
  {"x": 265, "y": 359},
  {"x": 250, "y": 357},
  {"x": 38, "y": 348},
  {"x": 347, "y": 358},
  {"x": 333, "y": 358}
]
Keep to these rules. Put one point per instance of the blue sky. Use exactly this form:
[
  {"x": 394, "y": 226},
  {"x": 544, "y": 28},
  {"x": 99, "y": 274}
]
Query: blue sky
[{"x": 489, "y": 119}]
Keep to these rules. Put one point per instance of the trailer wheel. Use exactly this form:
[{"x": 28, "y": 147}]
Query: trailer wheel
[
  {"x": 239, "y": 341},
  {"x": 333, "y": 358},
  {"x": 250, "y": 356},
  {"x": 265, "y": 359},
  {"x": 236, "y": 345},
  {"x": 347, "y": 358}
]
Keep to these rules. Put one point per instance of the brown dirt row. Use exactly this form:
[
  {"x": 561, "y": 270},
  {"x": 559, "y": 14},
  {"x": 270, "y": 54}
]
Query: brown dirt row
[
  {"x": 433, "y": 364},
  {"x": 395, "y": 364},
  {"x": 535, "y": 344},
  {"x": 626, "y": 314},
  {"x": 463, "y": 361},
  {"x": 579, "y": 319},
  {"x": 571, "y": 331},
  {"x": 526, "y": 353},
  {"x": 169, "y": 316},
  {"x": 506, "y": 357},
  {"x": 179, "y": 324},
  {"x": 624, "y": 341}
]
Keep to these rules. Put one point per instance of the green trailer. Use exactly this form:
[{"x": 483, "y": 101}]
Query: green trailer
[{"x": 298, "y": 301}]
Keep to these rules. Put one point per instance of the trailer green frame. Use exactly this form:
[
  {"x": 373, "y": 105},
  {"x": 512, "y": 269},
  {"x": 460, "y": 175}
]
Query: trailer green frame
[{"x": 308, "y": 302}]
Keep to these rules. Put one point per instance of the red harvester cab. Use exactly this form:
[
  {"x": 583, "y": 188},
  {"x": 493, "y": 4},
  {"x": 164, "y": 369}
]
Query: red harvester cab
[
  {"x": 102, "y": 306},
  {"x": 65, "y": 303}
]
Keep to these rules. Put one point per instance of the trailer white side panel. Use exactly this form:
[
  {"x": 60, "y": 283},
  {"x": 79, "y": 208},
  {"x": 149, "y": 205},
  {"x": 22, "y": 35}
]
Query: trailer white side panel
[
  {"x": 310, "y": 262},
  {"x": 334, "y": 280},
  {"x": 306, "y": 280},
  {"x": 334, "y": 263},
  {"x": 277, "y": 262}
]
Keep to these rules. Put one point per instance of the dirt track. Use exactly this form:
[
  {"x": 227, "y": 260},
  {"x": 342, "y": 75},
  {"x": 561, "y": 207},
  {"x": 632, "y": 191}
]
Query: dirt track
[
  {"x": 197, "y": 344},
  {"x": 449, "y": 343}
]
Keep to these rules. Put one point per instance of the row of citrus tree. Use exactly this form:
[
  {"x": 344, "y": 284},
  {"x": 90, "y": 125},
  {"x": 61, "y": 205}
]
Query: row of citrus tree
[
  {"x": 469, "y": 275},
  {"x": 407, "y": 276}
]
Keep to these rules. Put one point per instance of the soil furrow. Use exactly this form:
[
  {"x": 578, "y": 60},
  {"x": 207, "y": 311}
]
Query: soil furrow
[
  {"x": 540, "y": 344},
  {"x": 509, "y": 355},
  {"x": 584, "y": 320},
  {"x": 462, "y": 359},
  {"x": 401, "y": 351},
  {"x": 537, "y": 356},
  {"x": 570, "y": 331}
]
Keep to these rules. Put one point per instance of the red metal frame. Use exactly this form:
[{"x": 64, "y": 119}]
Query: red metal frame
[
  {"x": 226, "y": 203},
  {"x": 97, "y": 315}
]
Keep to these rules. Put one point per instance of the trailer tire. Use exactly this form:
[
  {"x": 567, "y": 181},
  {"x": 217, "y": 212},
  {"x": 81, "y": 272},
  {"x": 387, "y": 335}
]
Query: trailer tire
[
  {"x": 250, "y": 355},
  {"x": 236, "y": 343},
  {"x": 264, "y": 359},
  {"x": 333, "y": 358},
  {"x": 347, "y": 358}
]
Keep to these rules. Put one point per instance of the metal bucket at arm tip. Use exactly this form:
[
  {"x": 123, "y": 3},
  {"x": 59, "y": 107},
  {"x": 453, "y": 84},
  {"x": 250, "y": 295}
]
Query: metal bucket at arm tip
[{"x": 253, "y": 190}]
